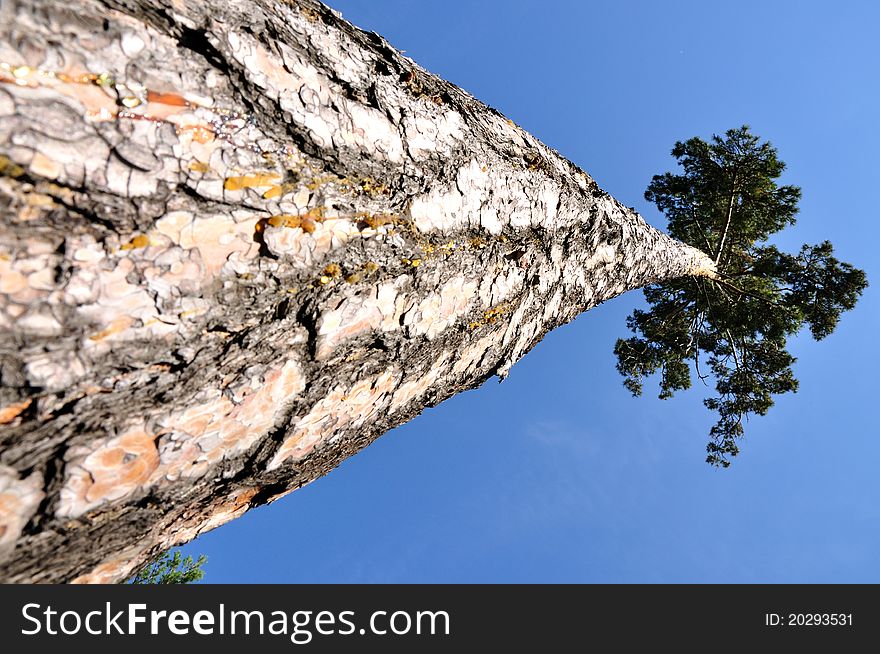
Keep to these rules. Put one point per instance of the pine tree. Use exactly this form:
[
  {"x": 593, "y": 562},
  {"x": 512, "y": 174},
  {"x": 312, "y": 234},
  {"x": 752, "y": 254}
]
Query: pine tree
[{"x": 727, "y": 202}]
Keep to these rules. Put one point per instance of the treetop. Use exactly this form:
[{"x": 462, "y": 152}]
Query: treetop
[{"x": 732, "y": 327}]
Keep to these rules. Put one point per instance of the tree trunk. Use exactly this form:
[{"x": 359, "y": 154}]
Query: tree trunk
[{"x": 240, "y": 241}]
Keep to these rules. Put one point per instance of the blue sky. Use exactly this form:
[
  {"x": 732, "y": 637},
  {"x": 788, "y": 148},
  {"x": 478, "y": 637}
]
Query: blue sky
[{"x": 558, "y": 475}]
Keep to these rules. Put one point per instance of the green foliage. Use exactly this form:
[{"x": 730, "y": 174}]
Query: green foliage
[
  {"x": 727, "y": 203},
  {"x": 170, "y": 568}
]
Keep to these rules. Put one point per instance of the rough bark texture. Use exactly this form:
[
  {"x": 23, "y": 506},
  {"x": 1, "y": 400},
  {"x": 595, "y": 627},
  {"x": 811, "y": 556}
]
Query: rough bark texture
[{"x": 240, "y": 241}]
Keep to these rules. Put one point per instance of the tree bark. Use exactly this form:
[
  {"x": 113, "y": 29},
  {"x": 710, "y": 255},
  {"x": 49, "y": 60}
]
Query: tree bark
[{"x": 239, "y": 242}]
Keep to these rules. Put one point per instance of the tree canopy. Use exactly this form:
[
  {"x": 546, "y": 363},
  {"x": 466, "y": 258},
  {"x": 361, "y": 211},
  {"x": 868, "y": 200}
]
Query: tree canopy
[{"x": 727, "y": 203}]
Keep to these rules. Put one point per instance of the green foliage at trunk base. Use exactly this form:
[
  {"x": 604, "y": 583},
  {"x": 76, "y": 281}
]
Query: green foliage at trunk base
[{"x": 170, "y": 568}]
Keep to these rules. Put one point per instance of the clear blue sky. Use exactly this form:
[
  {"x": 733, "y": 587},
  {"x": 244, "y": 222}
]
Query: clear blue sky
[{"x": 558, "y": 475}]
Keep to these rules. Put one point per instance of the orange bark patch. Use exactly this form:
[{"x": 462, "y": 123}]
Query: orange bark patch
[
  {"x": 121, "y": 466},
  {"x": 113, "y": 571},
  {"x": 377, "y": 220},
  {"x": 19, "y": 499},
  {"x": 308, "y": 225},
  {"x": 279, "y": 191},
  {"x": 308, "y": 221},
  {"x": 11, "y": 411},
  {"x": 8, "y": 168},
  {"x": 200, "y": 133},
  {"x": 82, "y": 78},
  {"x": 139, "y": 241},
  {"x": 215, "y": 237},
  {"x": 285, "y": 220},
  {"x": 18, "y": 82},
  {"x": 250, "y": 181},
  {"x": 106, "y": 573},
  {"x": 10, "y": 506},
  {"x": 191, "y": 441},
  {"x": 171, "y": 99},
  {"x": 120, "y": 324},
  {"x": 232, "y": 507},
  {"x": 44, "y": 166}
]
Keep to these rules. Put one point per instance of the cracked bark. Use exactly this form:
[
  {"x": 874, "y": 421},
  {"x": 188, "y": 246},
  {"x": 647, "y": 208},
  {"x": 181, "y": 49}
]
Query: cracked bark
[{"x": 238, "y": 243}]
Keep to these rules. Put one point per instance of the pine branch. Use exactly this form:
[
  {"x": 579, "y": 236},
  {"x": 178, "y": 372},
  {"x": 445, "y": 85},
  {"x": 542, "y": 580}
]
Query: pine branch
[
  {"x": 709, "y": 249},
  {"x": 729, "y": 219},
  {"x": 741, "y": 291}
]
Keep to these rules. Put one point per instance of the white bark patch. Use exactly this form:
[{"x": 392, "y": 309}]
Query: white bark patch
[
  {"x": 468, "y": 360},
  {"x": 303, "y": 249},
  {"x": 11, "y": 280},
  {"x": 552, "y": 307},
  {"x": 604, "y": 255},
  {"x": 573, "y": 275},
  {"x": 19, "y": 500},
  {"x": 344, "y": 408},
  {"x": 490, "y": 221},
  {"x": 440, "y": 210},
  {"x": 526, "y": 337},
  {"x": 215, "y": 237},
  {"x": 427, "y": 134},
  {"x": 377, "y": 308},
  {"x": 516, "y": 319},
  {"x": 118, "y": 305},
  {"x": 549, "y": 198},
  {"x": 43, "y": 166},
  {"x": 55, "y": 370},
  {"x": 314, "y": 102},
  {"x": 167, "y": 133},
  {"x": 78, "y": 156},
  {"x": 39, "y": 322},
  {"x": 7, "y": 106},
  {"x": 131, "y": 44},
  {"x": 439, "y": 311},
  {"x": 119, "y": 293},
  {"x": 479, "y": 190},
  {"x": 409, "y": 391},
  {"x": 496, "y": 289}
]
